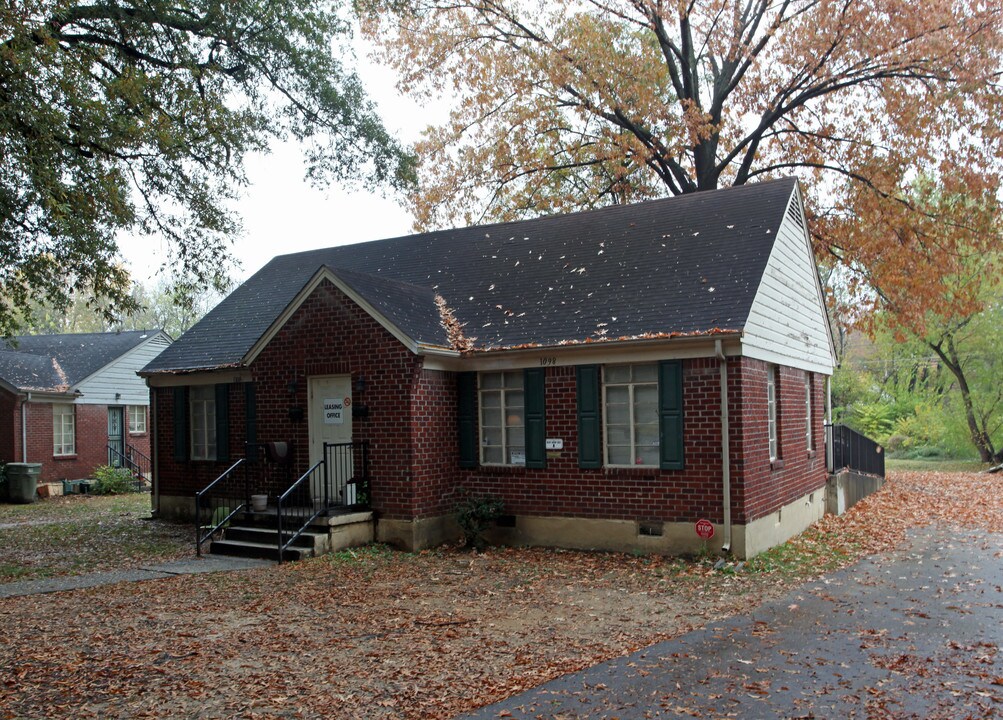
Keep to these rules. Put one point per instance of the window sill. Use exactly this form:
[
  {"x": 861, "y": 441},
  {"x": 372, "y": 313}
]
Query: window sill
[
  {"x": 137, "y": 434},
  {"x": 64, "y": 457},
  {"x": 777, "y": 464}
]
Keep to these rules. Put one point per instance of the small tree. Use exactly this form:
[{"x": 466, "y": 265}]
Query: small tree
[{"x": 475, "y": 514}]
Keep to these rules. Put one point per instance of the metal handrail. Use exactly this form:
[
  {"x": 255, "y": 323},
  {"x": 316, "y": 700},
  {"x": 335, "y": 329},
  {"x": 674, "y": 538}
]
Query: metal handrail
[
  {"x": 284, "y": 497},
  {"x": 138, "y": 468},
  {"x": 132, "y": 451},
  {"x": 200, "y": 496}
]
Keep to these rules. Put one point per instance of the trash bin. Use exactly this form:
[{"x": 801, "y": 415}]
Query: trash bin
[{"x": 22, "y": 481}]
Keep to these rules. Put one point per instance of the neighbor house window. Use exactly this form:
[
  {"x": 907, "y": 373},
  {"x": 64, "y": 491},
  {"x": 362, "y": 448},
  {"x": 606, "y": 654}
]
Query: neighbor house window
[
  {"x": 807, "y": 411},
  {"x": 137, "y": 419},
  {"x": 503, "y": 418},
  {"x": 64, "y": 441},
  {"x": 771, "y": 400},
  {"x": 631, "y": 413},
  {"x": 203, "y": 422}
]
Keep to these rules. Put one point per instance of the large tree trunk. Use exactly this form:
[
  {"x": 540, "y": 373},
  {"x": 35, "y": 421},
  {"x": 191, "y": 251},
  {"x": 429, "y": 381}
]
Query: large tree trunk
[{"x": 980, "y": 438}]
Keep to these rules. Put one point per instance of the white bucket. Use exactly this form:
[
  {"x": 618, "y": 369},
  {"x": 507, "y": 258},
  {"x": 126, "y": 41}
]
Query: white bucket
[{"x": 259, "y": 503}]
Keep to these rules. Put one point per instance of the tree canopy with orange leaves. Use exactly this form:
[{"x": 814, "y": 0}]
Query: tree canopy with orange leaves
[
  {"x": 889, "y": 110},
  {"x": 568, "y": 104}
]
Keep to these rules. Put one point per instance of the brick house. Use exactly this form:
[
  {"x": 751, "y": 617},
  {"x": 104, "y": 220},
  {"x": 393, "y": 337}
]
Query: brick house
[
  {"x": 66, "y": 399},
  {"x": 592, "y": 370}
]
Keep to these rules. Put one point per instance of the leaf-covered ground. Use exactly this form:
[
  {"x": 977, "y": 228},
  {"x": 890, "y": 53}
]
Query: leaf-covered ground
[
  {"x": 84, "y": 533},
  {"x": 379, "y": 634}
]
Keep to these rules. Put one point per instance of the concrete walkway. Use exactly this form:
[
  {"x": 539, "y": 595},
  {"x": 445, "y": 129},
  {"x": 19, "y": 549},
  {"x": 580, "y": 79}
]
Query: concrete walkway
[
  {"x": 914, "y": 633},
  {"x": 190, "y": 566}
]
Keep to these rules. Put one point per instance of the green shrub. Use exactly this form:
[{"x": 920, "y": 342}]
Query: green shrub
[
  {"x": 112, "y": 481},
  {"x": 874, "y": 420},
  {"x": 475, "y": 515}
]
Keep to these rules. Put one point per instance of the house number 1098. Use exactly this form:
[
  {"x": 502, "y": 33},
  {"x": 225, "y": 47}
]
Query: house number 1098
[{"x": 545, "y": 361}]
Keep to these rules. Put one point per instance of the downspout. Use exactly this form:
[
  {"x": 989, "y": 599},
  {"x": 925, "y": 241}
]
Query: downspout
[
  {"x": 827, "y": 435},
  {"x": 154, "y": 448},
  {"x": 725, "y": 448},
  {"x": 24, "y": 427}
]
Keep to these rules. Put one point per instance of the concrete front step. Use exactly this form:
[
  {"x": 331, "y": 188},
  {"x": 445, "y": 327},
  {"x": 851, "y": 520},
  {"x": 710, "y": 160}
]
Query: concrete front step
[
  {"x": 266, "y": 551},
  {"x": 256, "y": 535}
]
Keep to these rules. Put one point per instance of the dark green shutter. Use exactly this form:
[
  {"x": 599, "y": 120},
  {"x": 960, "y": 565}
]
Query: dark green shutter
[
  {"x": 589, "y": 427},
  {"x": 251, "y": 422},
  {"x": 466, "y": 395},
  {"x": 223, "y": 422},
  {"x": 180, "y": 424},
  {"x": 670, "y": 414},
  {"x": 534, "y": 381}
]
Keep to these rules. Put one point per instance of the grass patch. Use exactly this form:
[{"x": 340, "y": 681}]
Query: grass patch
[
  {"x": 933, "y": 465},
  {"x": 74, "y": 535}
]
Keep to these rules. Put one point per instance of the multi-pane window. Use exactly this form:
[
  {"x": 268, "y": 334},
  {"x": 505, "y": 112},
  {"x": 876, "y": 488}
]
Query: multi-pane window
[
  {"x": 771, "y": 399},
  {"x": 202, "y": 401},
  {"x": 63, "y": 430},
  {"x": 503, "y": 418},
  {"x": 137, "y": 419},
  {"x": 631, "y": 407},
  {"x": 807, "y": 411}
]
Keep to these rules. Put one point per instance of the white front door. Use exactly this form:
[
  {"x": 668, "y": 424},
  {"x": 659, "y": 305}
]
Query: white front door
[{"x": 330, "y": 421}]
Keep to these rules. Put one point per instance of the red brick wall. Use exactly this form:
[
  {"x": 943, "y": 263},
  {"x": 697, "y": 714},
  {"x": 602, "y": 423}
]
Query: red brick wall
[
  {"x": 564, "y": 489},
  {"x": 327, "y": 335},
  {"x": 765, "y": 487},
  {"x": 412, "y": 431},
  {"x": 91, "y": 442},
  {"x": 140, "y": 441}
]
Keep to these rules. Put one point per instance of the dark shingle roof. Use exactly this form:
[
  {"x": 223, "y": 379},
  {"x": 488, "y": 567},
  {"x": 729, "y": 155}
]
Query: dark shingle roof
[
  {"x": 25, "y": 371},
  {"x": 689, "y": 264},
  {"x": 77, "y": 356}
]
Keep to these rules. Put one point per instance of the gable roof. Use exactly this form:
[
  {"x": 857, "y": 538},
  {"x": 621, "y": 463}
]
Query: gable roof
[
  {"x": 55, "y": 363},
  {"x": 686, "y": 265}
]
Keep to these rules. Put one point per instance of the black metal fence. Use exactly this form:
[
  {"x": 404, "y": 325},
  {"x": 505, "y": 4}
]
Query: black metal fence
[{"x": 849, "y": 450}]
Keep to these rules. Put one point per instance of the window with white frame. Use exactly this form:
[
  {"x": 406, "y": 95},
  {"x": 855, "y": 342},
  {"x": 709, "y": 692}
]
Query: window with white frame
[
  {"x": 202, "y": 401},
  {"x": 630, "y": 401},
  {"x": 137, "y": 419},
  {"x": 807, "y": 411},
  {"x": 771, "y": 400},
  {"x": 64, "y": 441},
  {"x": 503, "y": 420}
]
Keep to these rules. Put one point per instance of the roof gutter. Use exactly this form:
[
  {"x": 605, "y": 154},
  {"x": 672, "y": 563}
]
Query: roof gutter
[{"x": 725, "y": 447}]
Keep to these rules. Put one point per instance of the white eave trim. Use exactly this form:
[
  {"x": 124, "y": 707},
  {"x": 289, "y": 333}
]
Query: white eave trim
[
  {"x": 599, "y": 353},
  {"x": 324, "y": 273}
]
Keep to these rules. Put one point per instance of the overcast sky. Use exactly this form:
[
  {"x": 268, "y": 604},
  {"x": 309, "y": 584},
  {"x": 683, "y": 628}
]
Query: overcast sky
[{"x": 282, "y": 213}]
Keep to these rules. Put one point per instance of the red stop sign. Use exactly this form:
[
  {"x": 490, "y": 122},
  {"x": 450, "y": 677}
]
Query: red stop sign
[{"x": 705, "y": 529}]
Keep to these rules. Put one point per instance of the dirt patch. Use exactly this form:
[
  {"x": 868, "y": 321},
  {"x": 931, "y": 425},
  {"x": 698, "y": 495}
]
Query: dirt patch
[{"x": 379, "y": 634}]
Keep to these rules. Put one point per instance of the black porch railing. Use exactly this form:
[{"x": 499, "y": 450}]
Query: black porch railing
[
  {"x": 849, "y": 450},
  {"x": 135, "y": 461},
  {"x": 338, "y": 481},
  {"x": 218, "y": 502}
]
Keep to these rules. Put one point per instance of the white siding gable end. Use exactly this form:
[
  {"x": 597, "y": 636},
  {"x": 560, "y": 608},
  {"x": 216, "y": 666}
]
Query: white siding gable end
[
  {"x": 788, "y": 323},
  {"x": 119, "y": 376}
]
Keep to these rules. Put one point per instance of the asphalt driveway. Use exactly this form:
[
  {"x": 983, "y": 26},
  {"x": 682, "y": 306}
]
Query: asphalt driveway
[{"x": 911, "y": 633}]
